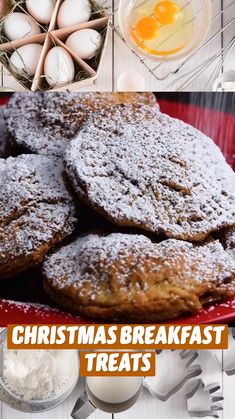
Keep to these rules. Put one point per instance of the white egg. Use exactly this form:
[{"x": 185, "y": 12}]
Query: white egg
[
  {"x": 85, "y": 43},
  {"x": 130, "y": 81},
  {"x": 25, "y": 59},
  {"x": 59, "y": 67},
  {"x": 19, "y": 25},
  {"x": 73, "y": 12},
  {"x": 41, "y": 10}
]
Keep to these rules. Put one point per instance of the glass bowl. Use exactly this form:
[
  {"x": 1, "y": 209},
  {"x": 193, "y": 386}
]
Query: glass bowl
[
  {"x": 30, "y": 406},
  {"x": 202, "y": 17}
]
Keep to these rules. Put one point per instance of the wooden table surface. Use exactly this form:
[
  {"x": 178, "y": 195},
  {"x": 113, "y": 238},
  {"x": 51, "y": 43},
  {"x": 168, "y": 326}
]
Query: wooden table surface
[
  {"x": 118, "y": 58},
  {"x": 148, "y": 407}
]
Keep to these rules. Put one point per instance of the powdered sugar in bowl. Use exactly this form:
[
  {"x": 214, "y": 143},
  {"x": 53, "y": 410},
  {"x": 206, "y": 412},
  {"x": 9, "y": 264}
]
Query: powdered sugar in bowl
[{"x": 36, "y": 380}]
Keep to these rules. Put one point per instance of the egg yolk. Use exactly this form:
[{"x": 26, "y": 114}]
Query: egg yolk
[
  {"x": 166, "y": 12},
  {"x": 147, "y": 28}
]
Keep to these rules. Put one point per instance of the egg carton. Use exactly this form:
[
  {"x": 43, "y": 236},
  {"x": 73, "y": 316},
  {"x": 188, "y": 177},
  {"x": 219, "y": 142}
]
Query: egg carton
[{"x": 86, "y": 71}]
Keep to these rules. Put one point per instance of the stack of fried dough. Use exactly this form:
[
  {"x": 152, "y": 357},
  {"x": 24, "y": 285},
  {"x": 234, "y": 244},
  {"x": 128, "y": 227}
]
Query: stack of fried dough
[{"x": 129, "y": 213}]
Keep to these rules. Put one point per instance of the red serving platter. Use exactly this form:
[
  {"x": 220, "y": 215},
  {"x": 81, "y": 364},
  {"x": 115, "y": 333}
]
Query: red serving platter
[{"x": 218, "y": 125}]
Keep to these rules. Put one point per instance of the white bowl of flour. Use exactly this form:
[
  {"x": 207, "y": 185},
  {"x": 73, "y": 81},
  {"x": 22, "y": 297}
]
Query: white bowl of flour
[{"x": 36, "y": 380}]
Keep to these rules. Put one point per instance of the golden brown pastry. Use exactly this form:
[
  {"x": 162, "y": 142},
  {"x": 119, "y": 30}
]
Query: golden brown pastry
[
  {"x": 44, "y": 123},
  {"x": 154, "y": 173},
  {"x": 36, "y": 211},
  {"x": 127, "y": 277}
]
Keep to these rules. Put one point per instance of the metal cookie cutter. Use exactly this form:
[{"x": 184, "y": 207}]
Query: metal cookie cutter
[
  {"x": 207, "y": 362},
  {"x": 83, "y": 407},
  {"x": 228, "y": 364},
  {"x": 162, "y": 389},
  {"x": 204, "y": 401}
]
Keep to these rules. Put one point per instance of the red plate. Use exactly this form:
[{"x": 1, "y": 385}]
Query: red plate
[
  {"x": 21, "y": 313},
  {"x": 216, "y": 125}
]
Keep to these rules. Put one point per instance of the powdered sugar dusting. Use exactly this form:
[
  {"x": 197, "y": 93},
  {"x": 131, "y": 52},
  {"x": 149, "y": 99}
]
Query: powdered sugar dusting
[
  {"x": 104, "y": 269},
  {"x": 228, "y": 240},
  {"x": 161, "y": 175},
  {"x": 45, "y": 123},
  {"x": 35, "y": 208}
]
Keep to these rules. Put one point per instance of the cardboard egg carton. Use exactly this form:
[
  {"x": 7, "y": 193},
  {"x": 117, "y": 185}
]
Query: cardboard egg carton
[{"x": 87, "y": 71}]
